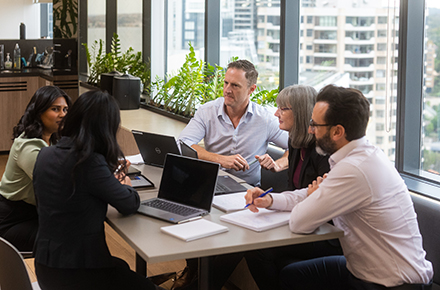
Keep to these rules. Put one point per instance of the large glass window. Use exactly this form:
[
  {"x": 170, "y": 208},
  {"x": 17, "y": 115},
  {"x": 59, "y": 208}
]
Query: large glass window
[
  {"x": 348, "y": 55},
  {"x": 185, "y": 24},
  {"x": 430, "y": 151},
  {"x": 130, "y": 24},
  {"x": 255, "y": 37},
  {"x": 96, "y": 21}
]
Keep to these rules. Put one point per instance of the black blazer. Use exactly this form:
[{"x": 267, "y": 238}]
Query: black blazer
[
  {"x": 314, "y": 165},
  {"x": 72, "y": 208}
]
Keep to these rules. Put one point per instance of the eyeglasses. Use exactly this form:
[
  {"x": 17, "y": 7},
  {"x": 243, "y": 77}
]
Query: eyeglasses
[
  {"x": 313, "y": 125},
  {"x": 284, "y": 109}
]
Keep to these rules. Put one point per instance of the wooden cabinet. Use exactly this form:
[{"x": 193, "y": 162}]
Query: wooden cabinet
[{"x": 15, "y": 94}]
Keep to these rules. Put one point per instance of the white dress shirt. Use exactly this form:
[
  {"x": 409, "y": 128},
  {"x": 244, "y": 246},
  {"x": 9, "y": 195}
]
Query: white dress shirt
[
  {"x": 255, "y": 130},
  {"x": 366, "y": 198}
]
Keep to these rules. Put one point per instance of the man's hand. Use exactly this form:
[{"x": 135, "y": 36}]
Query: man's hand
[
  {"x": 236, "y": 162},
  {"x": 252, "y": 198},
  {"x": 315, "y": 184}
]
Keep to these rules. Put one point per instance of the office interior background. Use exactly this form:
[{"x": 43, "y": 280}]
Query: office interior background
[{"x": 385, "y": 48}]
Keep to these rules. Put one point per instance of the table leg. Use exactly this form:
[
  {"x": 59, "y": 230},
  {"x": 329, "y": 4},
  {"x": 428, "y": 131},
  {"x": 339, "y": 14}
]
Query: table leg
[
  {"x": 141, "y": 265},
  {"x": 205, "y": 272}
]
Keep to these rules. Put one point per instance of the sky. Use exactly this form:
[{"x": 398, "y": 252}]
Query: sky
[{"x": 433, "y": 3}]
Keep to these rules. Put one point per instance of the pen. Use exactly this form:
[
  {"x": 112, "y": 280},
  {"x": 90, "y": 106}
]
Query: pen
[
  {"x": 253, "y": 162},
  {"x": 261, "y": 195},
  {"x": 190, "y": 220}
]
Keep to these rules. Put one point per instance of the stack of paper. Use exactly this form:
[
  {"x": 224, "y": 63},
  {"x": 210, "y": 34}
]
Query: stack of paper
[
  {"x": 230, "y": 202},
  {"x": 263, "y": 220},
  {"x": 194, "y": 230}
]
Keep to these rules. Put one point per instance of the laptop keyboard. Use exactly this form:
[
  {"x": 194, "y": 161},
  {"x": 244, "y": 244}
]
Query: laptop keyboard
[
  {"x": 221, "y": 188},
  {"x": 170, "y": 207}
]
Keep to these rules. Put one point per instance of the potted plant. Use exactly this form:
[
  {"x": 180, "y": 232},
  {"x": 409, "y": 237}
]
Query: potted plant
[{"x": 129, "y": 61}]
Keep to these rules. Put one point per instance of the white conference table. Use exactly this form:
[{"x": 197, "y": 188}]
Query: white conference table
[{"x": 153, "y": 246}]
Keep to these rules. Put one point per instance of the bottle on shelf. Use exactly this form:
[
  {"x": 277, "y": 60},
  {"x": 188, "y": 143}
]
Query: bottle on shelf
[
  {"x": 17, "y": 57},
  {"x": 8, "y": 62}
]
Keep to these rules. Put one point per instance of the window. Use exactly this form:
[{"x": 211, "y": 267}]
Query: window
[
  {"x": 358, "y": 54},
  {"x": 241, "y": 39},
  {"x": 96, "y": 21},
  {"x": 430, "y": 137},
  {"x": 309, "y": 19},
  {"x": 130, "y": 24},
  {"x": 309, "y": 32},
  {"x": 185, "y": 24}
]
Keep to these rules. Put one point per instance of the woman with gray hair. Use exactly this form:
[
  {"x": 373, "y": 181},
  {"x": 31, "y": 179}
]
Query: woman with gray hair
[{"x": 295, "y": 105}]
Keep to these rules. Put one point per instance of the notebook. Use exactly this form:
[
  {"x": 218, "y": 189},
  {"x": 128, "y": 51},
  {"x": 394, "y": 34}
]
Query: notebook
[
  {"x": 194, "y": 230},
  {"x": 230, "y": 202},
  {"x": 154, "y": 147},
  {"x": 264, "y": 220},
  {"x": 186, "y": 190}
]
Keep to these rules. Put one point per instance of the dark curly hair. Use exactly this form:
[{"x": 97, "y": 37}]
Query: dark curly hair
[{"x": 30, "y": 123}]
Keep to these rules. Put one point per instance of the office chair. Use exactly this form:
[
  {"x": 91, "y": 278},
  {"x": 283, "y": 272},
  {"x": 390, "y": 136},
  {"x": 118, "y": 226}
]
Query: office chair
[{"x": 13, "y": 273}]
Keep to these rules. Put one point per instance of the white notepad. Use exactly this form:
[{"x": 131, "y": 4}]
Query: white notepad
[
  {"x": 263, "y": 220},
  {"x": 194, "y": 230},
  {"x": 230, "y": 202}
]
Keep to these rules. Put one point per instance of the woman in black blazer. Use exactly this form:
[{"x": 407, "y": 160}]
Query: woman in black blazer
[
  {"x": 74, "y": 183},
  {"x": 295, "y": 106}
]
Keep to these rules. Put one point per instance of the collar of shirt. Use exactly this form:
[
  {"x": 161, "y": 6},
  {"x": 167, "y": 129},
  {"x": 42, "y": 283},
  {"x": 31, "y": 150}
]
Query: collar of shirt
[
  {"x": 221, "y": 112},
  {"x": 345, "y": 150}
]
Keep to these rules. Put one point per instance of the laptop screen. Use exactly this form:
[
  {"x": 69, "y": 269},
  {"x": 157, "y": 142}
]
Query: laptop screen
[
  {"x": 154, "y": 147},
  {"x": 188, "y": 181}
]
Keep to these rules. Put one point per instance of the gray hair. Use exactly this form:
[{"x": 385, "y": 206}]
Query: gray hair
[{"x": 302, "y": 100}]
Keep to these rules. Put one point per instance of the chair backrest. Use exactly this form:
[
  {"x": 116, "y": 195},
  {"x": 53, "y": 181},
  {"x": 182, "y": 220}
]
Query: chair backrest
[
  {"x": 276, "y": 180},
  {"x": 428, "y": 216},
  {"x": 13, "y": 273}
]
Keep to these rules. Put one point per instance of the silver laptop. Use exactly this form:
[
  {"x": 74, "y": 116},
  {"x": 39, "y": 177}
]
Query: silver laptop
[
  {"x": 186, "y": 190},
  {"x": 154, "y": 147}
]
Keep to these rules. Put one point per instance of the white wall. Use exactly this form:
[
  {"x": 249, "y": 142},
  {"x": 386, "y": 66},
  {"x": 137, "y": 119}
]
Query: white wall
[{"x": 13, "y": 12}]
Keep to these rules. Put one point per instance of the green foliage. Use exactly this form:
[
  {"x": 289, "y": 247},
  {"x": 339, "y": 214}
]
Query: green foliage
[
  {"x": 65, "y": 18},
  {"x": 129, "y": 61},
  {"x": 197, "y": 83}
]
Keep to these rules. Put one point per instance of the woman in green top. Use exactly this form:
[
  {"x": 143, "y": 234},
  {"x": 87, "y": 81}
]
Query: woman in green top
[{"x": 37, "y": 128}]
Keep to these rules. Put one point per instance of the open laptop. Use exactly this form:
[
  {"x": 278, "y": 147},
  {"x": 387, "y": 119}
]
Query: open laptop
[
  {"x": 225, "y": 183},
  {"x": 186, "y": 190},
  {"x": 188, "y": 150},
  {"x": 154, "y": 147}
]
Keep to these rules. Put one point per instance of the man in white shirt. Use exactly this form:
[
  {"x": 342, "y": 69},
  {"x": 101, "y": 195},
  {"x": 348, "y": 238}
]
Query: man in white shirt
[
  {"x": 236, "y": 130},
  {"x": 364, "y": 195}
]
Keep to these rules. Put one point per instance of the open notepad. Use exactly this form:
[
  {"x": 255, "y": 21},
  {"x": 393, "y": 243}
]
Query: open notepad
[
  {"x": 263, "y": 220},
  {"x": 194, "y": 230},
  {"x": 230, "y": 202}
]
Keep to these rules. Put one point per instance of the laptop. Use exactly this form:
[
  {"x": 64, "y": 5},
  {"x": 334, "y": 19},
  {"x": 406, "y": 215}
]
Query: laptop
[
  {"x": 188, "y": 150},
  {"x": 185, "y": 192},
  {"x": 225, "y": 183},
  {"x": 154, "y": 147}
]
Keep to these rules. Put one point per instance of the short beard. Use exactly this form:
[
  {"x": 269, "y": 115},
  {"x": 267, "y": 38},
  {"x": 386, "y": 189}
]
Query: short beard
[{"x": 325, "y": 145}]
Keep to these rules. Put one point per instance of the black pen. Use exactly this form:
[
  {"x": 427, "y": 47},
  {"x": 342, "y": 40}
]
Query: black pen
[{"x": 261, "y": 195}]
